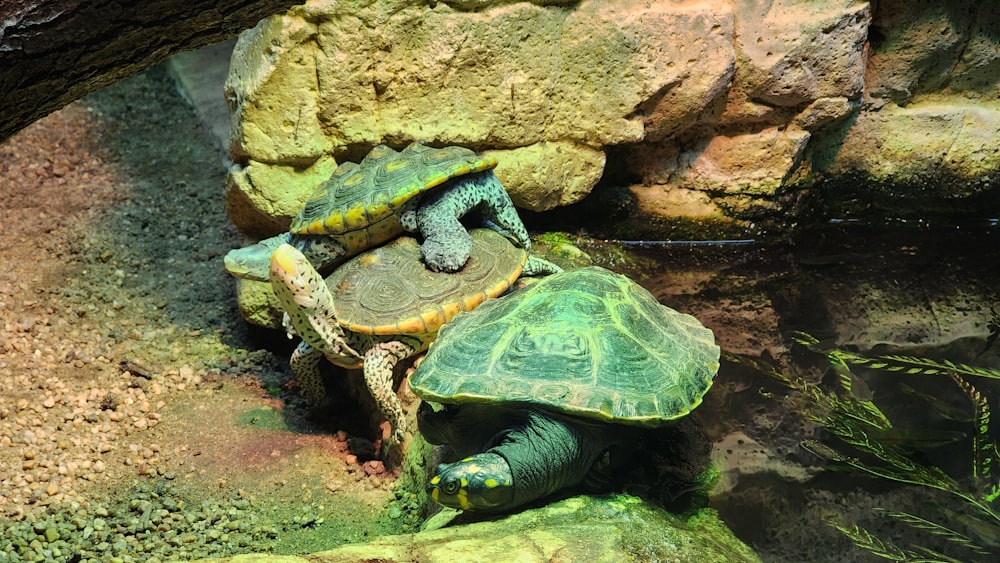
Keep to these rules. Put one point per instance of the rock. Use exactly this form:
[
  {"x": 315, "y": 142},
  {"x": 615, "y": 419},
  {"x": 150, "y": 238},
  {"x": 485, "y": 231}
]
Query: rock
[
  {"x": 272, "y": 91},
  {"x": 506, "y": 77},
  {"x": 718, "y": 111},
  {"x": 263, "y": 198},
  {"x": 745, "y": 164},
  {"x": 257, "y": 303},
  {"x": 581, "y": 528},
  {"x": 797, "y": 52},
  {"x": 554, "y": 85},
  {"x": 824, "y": 112},
  {"x": 940, "y": 135},
  {"x": 549, "y": 174},
  {"x": 925, "y": 46},
  {"x": 738, "y": 455}
]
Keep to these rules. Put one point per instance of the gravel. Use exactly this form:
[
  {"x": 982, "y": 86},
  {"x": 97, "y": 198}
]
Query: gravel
[{"x": 125, "y": 368}]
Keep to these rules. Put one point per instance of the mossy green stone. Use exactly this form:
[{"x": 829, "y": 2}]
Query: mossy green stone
[{"x": 583, "y": 528}]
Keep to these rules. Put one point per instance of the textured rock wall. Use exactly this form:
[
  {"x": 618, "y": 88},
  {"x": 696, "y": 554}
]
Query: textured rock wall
[{"x": 715, "y": 110}]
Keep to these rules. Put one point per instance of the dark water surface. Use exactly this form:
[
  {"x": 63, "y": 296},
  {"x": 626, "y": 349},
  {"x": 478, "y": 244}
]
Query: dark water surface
[{"x": 927, "y": 292}]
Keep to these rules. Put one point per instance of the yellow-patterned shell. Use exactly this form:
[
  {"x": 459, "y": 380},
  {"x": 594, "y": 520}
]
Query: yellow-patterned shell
[
  {"x": 360, "y": 197},
  {"x": 388, "y": 290}
]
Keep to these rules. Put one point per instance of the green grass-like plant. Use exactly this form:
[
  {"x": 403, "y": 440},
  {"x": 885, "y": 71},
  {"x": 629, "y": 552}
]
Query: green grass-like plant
[{"x": 859, "y": 426}]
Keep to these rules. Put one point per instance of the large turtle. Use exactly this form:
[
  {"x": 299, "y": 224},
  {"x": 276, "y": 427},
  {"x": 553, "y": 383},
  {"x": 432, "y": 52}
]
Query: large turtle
[
  {"x": 384, "y": 305},
  {"x": 536, "y": 388},
  {"x": 363, "y": 205}
]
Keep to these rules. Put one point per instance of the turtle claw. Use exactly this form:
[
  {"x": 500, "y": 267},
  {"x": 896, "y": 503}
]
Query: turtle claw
[{"x": 441, "y": 257}]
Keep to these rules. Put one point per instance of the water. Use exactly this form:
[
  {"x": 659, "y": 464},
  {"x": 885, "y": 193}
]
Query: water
[{"x": 910, "y": 289}]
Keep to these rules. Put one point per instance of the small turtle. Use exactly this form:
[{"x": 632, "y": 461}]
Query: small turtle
[
  {"x": 536, "y": 388},
  {"x": 384, "y": 305},
  {"x": 364, "y": 205}
]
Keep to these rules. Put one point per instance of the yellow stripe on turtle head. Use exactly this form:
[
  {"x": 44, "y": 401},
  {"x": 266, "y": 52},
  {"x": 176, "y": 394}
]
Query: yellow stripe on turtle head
[{"x": 491, "y": 483}]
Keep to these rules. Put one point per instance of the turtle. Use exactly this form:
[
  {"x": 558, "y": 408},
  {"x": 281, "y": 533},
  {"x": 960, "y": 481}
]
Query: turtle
[
  {"x": 534, "y": 391},
  {"x": 383, "y": 306},
  {"x": 363, "y": 205}
]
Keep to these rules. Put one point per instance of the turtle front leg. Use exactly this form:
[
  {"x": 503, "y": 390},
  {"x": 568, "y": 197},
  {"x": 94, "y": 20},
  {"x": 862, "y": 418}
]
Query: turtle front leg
[
  {"x": 498, "y": 210},
  {"x": 305, "y": 365},
  {"x": 380, "y": 361},
  {"x": 447, "y": 245}
]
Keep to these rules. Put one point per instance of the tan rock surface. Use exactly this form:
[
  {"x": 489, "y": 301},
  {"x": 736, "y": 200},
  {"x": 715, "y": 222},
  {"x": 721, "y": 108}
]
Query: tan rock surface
[
  {"x": 714, "y": 107},
  {"x": 796, "y": 52},
  {"x": 939, "y": 135},
  {"x": 549, "y": 174}
]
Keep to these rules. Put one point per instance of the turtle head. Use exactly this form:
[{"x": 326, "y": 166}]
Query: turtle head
[
  {"x": 480, "y": 482},
  {"x": 251, "y": 262}
]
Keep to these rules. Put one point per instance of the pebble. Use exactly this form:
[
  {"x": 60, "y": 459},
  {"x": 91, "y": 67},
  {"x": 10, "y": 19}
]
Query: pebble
[{"x": 67, "y": 413}]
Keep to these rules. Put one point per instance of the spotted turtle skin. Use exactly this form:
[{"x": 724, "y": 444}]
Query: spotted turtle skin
[
  {"x": 535, "y": 388},
  {"x": 420, "y": 189}
]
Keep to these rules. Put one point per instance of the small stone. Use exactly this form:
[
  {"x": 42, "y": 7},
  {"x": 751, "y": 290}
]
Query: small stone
[{"x": 52, "y": 490}]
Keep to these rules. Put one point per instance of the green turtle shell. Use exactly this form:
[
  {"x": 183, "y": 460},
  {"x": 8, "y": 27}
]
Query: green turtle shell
[
  {"x": 586, "y": 342},
  {"x": 360, "y": 196},
  {"x": 389, "y": 290}
]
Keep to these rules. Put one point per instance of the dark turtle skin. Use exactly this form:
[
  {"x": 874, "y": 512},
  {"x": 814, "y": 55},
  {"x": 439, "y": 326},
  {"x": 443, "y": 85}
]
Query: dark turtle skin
[
  {"x": 536, "y": 387},
  {"x": 420, "y": 189},
  {"x": 384, "y": 306}
]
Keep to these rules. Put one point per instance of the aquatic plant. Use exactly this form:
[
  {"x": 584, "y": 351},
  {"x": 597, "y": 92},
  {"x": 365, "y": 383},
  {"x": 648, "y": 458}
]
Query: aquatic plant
[{"x": 867, "y": 445}]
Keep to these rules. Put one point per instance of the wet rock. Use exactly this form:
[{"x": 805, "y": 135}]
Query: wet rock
[{"x": 581, "y": 528}]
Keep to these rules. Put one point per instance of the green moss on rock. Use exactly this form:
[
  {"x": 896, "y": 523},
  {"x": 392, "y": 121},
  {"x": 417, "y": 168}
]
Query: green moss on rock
[{"x": 583, "y": 528}]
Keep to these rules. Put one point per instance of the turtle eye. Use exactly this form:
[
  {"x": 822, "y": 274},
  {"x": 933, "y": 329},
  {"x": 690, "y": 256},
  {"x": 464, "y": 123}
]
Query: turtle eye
[{"x": 450, "y": 487}]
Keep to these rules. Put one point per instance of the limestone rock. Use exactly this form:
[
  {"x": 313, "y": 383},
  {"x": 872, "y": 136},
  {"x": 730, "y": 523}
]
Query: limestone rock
[
  {"x": 581, "y": 528},
  {"x": 932, "y": 136},
  {"x": 263, "y": 198},
  {"x": 751, "y": 163},
  {"x": 923, "y": 46},
  {"x": 825, "y": 111},
  {"x": 797, "y": 52},
  {"x": 272, "y": 91},
  {"x": 698, "y": 42},
  {"x": 738, "y": 455},
  {"x": 257, "y": 304},
  {"x": 509, "y": 76},
  {"x": 549, "y": 174},
  {"x": 717, "y": 110}
]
